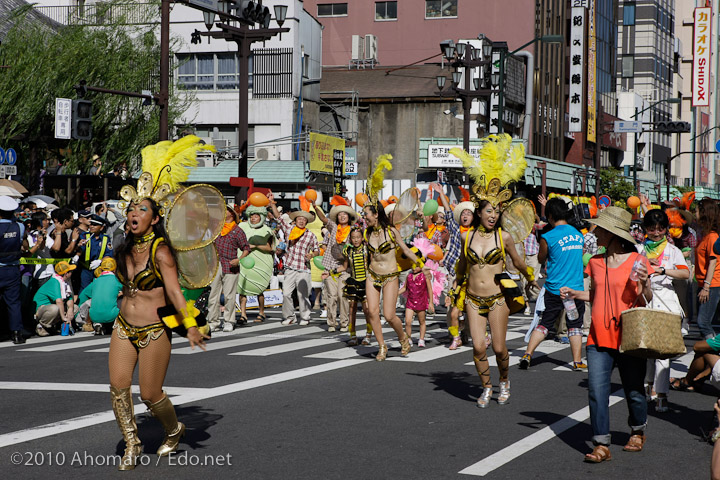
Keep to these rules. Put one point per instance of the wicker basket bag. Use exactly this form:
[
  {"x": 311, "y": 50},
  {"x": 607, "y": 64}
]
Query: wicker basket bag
[{"x": 651, "y": 333}]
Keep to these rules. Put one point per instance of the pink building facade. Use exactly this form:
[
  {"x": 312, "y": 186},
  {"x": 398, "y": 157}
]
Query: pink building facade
[{"x": 409, "y": 31}]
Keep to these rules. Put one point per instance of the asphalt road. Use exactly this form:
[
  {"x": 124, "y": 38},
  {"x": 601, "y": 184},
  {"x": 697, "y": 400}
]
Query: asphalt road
[{"x": 274, "y": 402}]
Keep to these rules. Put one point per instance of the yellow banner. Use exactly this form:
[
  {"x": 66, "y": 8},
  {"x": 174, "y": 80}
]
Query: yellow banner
[
  {"x": 322, "y": 148},
  {"x": 592, "y": 75}
]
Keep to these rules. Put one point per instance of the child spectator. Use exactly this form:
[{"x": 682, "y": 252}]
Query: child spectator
[
  {"x": 418, "y": 289},
  {"x": 55, "y": 300},
  {"x": 98, "y": 302},
  {"x": 354, "y": 291}
]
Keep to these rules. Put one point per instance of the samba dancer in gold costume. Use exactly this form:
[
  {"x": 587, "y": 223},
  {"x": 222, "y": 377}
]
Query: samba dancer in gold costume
[
  {"x": 482, "y": 260},
  {"x": 382, "y": 240},
  {"x": 148, "y": 270}
]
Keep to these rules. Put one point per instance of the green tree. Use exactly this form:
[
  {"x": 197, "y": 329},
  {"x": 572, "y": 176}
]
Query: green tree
[
  {"x": 46, "y": 60},
  {"x": 614, "y": 185}
]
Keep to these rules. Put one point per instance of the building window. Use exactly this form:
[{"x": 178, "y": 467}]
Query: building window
[
  {"x": 332, "y": 9},
  {"x": 629, "y": 14},
  {"x": 210, "y": 71},
  {"x": 227, "y": 71},
  {"x": 385, "y": 11},
  {"x": 440, "y": 8},
  {"x": 628, "y": 66}
]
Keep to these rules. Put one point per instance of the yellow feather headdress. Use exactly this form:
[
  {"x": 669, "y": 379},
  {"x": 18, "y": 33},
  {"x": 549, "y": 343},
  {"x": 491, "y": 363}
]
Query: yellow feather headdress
[
  {"x": 376, "y": 177},
  {"x": 501, "y": 163},
  {"x": 168, "y": 164}
]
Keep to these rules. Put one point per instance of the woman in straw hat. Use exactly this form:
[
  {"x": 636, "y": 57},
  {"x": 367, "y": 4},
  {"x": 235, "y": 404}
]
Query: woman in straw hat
[
  {"x": 611, "y": 292},
  {"x": 338, "y": 224}
]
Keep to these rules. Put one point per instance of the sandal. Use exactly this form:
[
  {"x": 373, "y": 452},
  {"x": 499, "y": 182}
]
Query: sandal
[
  {"x": 636, "y": 443},
  {"x": 260, "y": 318},
  {"x": 681, "y": 385},
  {"x": 599, "y": 454},
  {"x": 242, "y": 321}
]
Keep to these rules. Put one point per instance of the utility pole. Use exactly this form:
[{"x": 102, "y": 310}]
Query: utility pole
[{"x": 164, "y": 95}]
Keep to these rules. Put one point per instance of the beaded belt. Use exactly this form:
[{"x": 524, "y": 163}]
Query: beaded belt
[{"x": 138, "y": 336}]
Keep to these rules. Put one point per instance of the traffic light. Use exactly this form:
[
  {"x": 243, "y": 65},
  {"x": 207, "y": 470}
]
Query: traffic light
[
  {"x": 82, "y": 119},
  {"x": 673, "y": 127},
  {"x": 246, "y": 10},
  {"x": 253, "y": 12}
]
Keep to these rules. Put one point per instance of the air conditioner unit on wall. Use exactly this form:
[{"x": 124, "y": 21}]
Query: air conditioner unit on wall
[
  {"x": 266, "y": 153},
  {"x": 371, "y": 48},
  {"x": 221, "y": 143},
  {"x": 358, "y": 47}
]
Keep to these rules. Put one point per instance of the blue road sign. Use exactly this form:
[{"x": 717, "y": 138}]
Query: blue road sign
[
  {"x": 717, "y": 146},
  {"x": 2, "y": 156},
  {"x": 10, "y": 156}
]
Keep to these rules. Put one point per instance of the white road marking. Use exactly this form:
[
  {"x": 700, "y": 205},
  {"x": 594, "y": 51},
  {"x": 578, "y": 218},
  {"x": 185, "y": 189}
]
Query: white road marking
[
  {"x": 286, "y": 347},
  {"x": 52, "y": 338},
  {"x": 343, "y": 353},
  {"x": 511, "y": 452},
  {"x": 199, "y": 394},
  {"x": 69, "y": 345},
  {"x": 85, "y": 387},
  {"x": 217, "y": 344},
  {"x": 236, "y": 342},
  {"x": 545, "y": 348}
]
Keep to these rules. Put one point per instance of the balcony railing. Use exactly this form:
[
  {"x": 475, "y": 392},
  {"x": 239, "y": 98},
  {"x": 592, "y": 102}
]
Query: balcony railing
[{"x": 103, "y": 14}]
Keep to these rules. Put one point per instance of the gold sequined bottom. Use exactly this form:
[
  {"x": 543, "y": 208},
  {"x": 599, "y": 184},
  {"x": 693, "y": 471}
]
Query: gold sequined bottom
[
  {"x": 380, "y": 281},
  {"x": 484, "y": 305},
  {"x": 138, "y": 336}
]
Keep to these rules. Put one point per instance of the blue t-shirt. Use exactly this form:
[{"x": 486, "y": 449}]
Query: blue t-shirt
[{"x": 564, "y": 260}]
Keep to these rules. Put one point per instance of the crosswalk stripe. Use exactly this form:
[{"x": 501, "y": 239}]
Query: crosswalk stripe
[
  {"x": 87, "y": 387},
  {"x": 286, "y": 347},
  {"x": 69, "y": 345},
  {"x": 52, "y": 338},
  {"x": 545, "y": 348},
  {"x": 429, "y": 354},
  {"x": 289, "y": 332},
  {"x": 345, "y": 353}
]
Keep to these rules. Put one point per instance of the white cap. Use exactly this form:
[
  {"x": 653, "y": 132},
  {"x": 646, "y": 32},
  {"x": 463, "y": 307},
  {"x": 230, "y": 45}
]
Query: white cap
[{"x": 8, "y": 204}]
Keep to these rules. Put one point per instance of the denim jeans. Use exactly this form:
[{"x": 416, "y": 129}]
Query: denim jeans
[
  {"x": 601, "y": 362},
  {"x": 706, "y": 313}
]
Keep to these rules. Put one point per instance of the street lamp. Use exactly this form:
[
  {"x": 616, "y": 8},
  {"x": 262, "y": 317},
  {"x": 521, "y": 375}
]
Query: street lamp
[
  {"x": 501, "y": 77},
  {"x": 252, "y": 26},
  {"x": 441, "y": 81},
  {"x": 674, "y": 100},
  {"x": 464, "y": 55}
]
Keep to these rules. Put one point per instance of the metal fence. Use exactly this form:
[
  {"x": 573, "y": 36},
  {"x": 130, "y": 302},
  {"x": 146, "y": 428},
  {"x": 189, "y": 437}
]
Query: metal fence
[
  {"x": 103, "y": 14},
  {"x": 272, "y": 73}
]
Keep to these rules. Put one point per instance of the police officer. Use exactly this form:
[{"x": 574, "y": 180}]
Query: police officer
[
  {"x": 96, "y": 246},
  {"x": 12, "y": 236}
]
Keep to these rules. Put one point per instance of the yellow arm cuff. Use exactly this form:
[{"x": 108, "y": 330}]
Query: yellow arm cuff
[
  {"x": 530, "y": 274},
  {"x": 189, "y": 322}
]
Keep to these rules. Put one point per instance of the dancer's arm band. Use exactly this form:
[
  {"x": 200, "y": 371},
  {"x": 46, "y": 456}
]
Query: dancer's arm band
[
  {"x": 529, "y": 274},
  {"x": 189, "y": 322}
]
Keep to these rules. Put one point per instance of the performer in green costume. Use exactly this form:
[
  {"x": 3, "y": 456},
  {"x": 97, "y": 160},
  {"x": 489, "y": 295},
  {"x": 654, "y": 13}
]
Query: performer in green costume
[{"x": 255, "y": 280}]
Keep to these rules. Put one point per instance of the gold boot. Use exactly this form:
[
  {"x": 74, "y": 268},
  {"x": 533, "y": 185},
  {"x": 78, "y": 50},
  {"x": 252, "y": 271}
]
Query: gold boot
[
  {"x": 164, "y": 411},
  {"x": 405, "y": 345},
  {"x": 122, "y": 404}
]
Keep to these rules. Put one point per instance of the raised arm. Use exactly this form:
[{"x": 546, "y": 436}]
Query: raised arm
[
  {"x": 408, "y": 253},
  {"x": 320, "y": 214}
]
